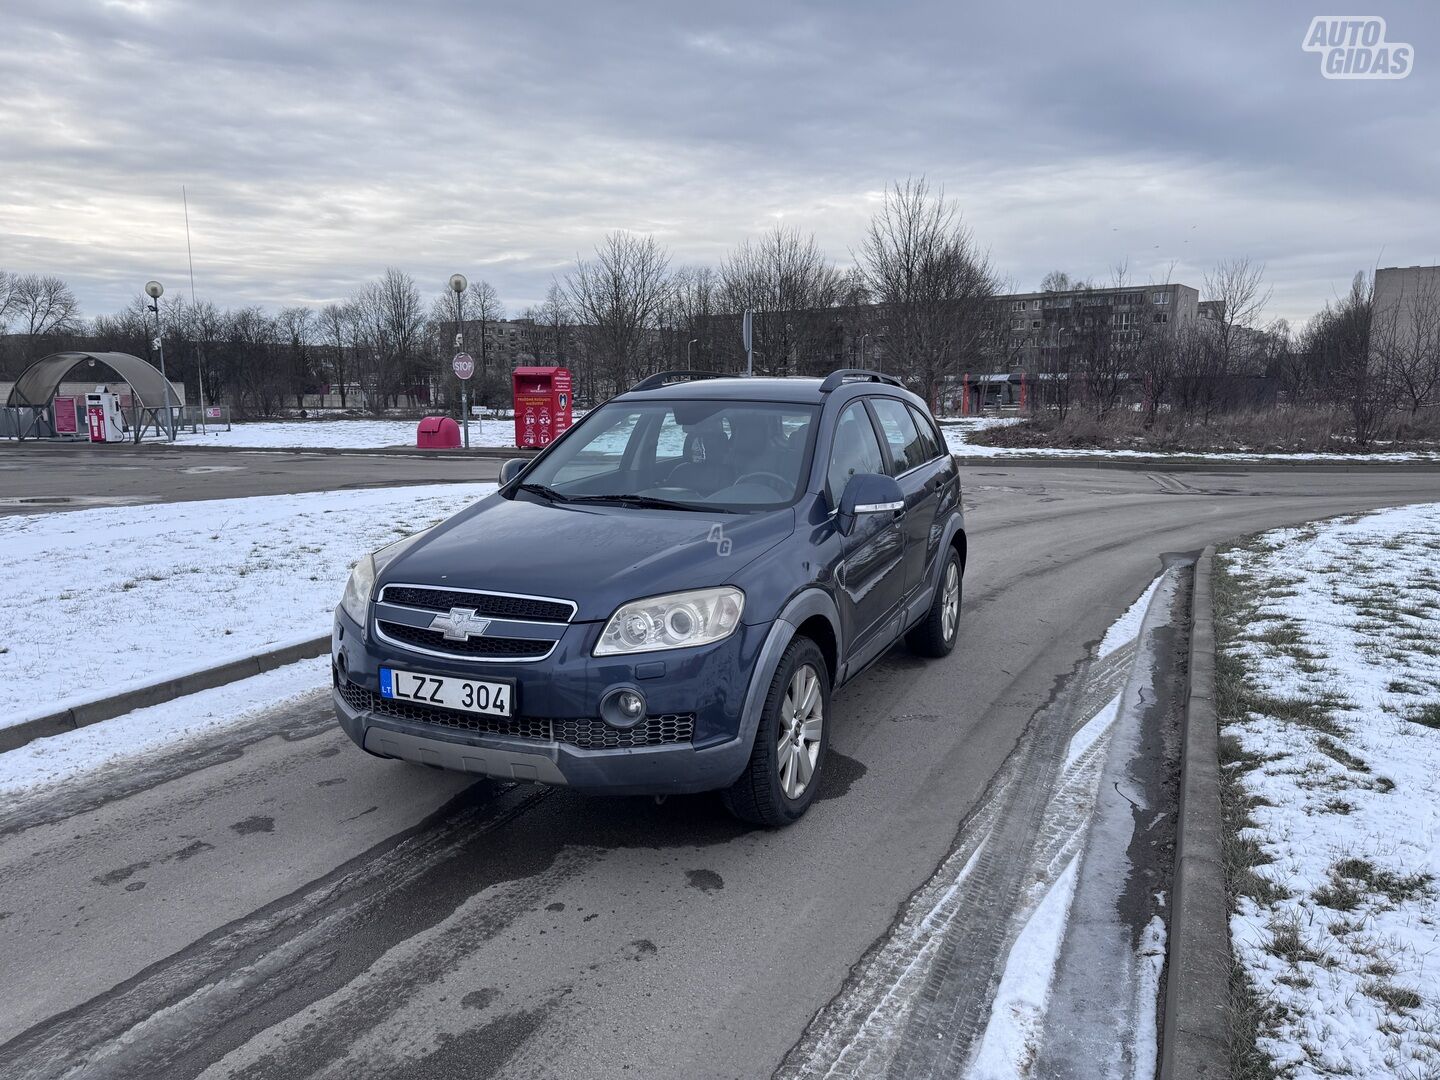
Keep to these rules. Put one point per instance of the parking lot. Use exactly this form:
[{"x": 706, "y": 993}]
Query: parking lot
[{"x": 272, "y": 903}]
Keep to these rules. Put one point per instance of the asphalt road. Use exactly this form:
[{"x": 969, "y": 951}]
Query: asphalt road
[
  {"x": 41, "y": 477},
  {"x": 277, "y": 904}
]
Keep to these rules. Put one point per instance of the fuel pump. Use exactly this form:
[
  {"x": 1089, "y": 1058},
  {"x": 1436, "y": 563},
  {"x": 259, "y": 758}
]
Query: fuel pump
[{"x": 102, "y": 416}]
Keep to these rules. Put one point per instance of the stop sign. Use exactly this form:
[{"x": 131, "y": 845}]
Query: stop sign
[{"x": 463, "y": 365}]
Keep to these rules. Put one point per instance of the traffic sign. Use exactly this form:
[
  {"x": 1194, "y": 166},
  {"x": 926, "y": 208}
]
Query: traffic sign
[{"x": 463, "y": 365}]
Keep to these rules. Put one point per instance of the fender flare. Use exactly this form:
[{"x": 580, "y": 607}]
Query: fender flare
[{"x": 802, "y": 606}]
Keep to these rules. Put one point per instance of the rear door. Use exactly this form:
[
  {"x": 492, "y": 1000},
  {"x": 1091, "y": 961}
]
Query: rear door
[{"x": 917, "y": 463}]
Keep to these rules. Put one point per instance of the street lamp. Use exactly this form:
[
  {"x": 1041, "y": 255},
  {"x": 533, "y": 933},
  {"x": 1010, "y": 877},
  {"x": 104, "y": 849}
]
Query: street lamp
[
  {"x": 155, "y": 290},
  {"x": 458, "y": 284},
  {"x": 863, "y": 338},
  {"x": 688, "y": 345}
]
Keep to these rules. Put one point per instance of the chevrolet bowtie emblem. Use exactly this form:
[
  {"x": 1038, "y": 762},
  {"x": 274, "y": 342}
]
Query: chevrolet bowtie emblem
[{"x": 461, "y": 624}]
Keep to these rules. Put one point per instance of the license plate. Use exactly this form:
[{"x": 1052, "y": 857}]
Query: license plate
[{"x": 489, "y": 698}]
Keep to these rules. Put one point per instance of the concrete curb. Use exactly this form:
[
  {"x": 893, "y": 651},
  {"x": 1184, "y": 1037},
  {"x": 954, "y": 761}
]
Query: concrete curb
[
  {"x": 1196, "y": 1040},
  {"x": 92, "y": 712}
]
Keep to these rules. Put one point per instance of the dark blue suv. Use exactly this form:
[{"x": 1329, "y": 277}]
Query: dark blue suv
[{"x": 664, "y": 599}]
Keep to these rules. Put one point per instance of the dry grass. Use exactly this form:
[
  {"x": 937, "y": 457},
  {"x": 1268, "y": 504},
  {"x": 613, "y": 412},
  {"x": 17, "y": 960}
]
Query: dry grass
[{"x": 1271, "y": 431}]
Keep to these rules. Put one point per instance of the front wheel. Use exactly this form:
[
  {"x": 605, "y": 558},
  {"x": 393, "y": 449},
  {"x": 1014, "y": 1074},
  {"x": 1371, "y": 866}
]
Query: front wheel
[
  {"x": 786, "y": 763},
  {"x": 935, "y": 634}
]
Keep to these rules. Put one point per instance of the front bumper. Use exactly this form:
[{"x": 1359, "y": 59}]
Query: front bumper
[{"x": 712, "y": 683}]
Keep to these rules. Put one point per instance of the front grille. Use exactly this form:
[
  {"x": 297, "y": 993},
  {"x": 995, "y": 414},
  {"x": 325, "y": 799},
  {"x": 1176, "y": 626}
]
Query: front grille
[
  {"x": 498, "y": 647},
  {"x": 594, "y": 734},
  {"x": 588, "y": 733},
  {"x": 517, "y": 727},
  {"x": 490, "y": 605}
]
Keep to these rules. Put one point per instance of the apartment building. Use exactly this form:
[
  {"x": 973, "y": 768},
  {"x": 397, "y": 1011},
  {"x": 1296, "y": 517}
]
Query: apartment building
[{"x": 1035, "y": 327}]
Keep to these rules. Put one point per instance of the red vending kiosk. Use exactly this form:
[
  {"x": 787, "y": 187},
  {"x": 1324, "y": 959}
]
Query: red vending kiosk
[{"x": 542, "y": 405}]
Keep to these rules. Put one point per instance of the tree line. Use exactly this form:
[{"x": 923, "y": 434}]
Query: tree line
[{"x": 915, "y": 298}]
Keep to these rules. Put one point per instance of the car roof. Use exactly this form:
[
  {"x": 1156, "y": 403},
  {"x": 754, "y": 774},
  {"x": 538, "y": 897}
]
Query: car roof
[{"x": 796, "y": 389}]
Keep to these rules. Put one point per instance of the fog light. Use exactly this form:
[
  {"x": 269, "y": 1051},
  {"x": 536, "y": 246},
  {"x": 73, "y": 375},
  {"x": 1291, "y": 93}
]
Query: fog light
[{"x": 623, "y": 707}]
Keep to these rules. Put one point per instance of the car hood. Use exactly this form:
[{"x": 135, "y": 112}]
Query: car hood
[{"x": 598, "y": 556}]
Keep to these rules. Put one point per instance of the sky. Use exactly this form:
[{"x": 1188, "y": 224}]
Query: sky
[{"x": 321, "y": 141}]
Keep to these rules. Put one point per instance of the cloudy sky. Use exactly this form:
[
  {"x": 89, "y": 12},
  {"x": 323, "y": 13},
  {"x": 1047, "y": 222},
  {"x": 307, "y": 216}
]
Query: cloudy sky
[{"x": 322, "y": 141}]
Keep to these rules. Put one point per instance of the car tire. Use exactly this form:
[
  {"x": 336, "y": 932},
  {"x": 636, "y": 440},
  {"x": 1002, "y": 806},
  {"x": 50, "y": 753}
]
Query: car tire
[
  {"x": 790, "y": 740},
  {"x": 935, "y": 634}
]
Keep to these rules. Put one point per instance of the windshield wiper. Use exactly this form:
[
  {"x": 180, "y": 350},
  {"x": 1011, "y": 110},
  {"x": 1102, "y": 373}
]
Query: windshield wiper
[
  {"x": 544, "y": 492},
  {"x": 645, "y": 502}
]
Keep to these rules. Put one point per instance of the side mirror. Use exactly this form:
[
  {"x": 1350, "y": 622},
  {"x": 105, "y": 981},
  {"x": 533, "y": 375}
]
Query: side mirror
[
  {"x": 512, "y": 468},
  {"x": 868, "y": 493}
]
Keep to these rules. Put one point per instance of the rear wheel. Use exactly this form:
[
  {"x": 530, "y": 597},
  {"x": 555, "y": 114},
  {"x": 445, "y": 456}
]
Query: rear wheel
[
  {"x": 788, "y": 758},
  {"x": 935, "y": 634}
]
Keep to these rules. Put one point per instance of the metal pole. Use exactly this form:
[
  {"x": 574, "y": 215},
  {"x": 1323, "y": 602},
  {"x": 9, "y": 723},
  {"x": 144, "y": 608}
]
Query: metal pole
[
  {"x": 160, "y": 346},
  {"x": 692, "y": 341},
  {"x": 464, "y": 384}
]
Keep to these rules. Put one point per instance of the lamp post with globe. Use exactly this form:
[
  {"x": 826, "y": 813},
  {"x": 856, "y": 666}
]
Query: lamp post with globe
[{"x": 155, "y": 290}]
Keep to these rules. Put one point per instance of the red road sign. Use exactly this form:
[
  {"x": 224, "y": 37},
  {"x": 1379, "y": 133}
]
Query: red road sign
[{"x": 463, "y": 365}]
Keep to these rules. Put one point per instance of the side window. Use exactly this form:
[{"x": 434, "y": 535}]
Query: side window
[
  {"x": 932, "y": 448},
  {"x": 900, "y": 433},
  {"x": 856, "y": 450}
]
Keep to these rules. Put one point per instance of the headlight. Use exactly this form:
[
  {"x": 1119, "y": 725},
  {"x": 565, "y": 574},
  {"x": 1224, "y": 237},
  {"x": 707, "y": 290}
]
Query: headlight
[
  {"x": 358, "y": 589},
  {"x": 677, "y": 621},
  {"x": 362, "y": 578}
]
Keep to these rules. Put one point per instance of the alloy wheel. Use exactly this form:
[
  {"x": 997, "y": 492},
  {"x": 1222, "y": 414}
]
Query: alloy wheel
[
  {"x": 801, "y": 722},
  {"x": 950, "y": 601}
]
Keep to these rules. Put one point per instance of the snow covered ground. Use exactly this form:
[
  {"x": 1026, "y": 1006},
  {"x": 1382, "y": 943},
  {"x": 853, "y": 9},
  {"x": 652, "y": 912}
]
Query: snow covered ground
[
  {"x": 337, "y": 434},
  {"x": 45, "y": 762},
  {"x": 957, "y": 432},
  {"x": 98, "y": 601},
  {"x": 1329, "y": 670}
]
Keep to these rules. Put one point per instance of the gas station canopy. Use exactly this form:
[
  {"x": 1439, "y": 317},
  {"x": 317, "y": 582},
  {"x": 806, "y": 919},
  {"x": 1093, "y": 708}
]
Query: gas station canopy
[{"x": 38, "y": 382}]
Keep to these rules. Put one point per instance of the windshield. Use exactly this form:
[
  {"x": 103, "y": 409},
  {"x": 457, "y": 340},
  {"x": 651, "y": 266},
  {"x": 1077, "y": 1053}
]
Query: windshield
[{"x": 735, "y": 456}]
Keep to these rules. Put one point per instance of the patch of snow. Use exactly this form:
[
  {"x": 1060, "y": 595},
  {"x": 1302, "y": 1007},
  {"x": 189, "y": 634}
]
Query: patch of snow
[
  {"x": 48, "y": 761},
  {"x": 1012, "y": 1038},
  {"x": 100, "y": 601},
  {"x": 1147, "y": 993},
  {"x": 1096, "y": 726},
  {"x": 1344, "y": 614},
  {"x": 1127, "y": 628}
]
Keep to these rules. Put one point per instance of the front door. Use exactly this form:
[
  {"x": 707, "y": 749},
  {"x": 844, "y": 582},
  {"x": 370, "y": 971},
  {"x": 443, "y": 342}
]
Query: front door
[{"x": 871, "y": 576}]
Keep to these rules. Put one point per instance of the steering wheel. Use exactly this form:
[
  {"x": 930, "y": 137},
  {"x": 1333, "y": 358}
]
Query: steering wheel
[{"x": 779, "y": 483}]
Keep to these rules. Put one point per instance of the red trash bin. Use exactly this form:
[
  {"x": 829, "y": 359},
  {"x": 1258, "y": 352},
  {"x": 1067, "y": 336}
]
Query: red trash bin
[{"x": 438, "y": 433}]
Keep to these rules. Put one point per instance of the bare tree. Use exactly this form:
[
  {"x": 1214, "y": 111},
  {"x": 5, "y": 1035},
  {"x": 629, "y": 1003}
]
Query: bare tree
[
  {"x": 42, "y": 306},
  {"x": 297, "y": 324},
  {"x": 792, "y": 289},
  {"x": 7, "y": 299},
  {"x": 618, "y": 296},
  {"x": 482, "y": 304},
  {"x": 392, "y": 315},
  {"x": 1405, "y": 336},
  {"x": 335, "y": 328},
  {"x": 1338, "y": 343},
  {"x": 931, "y": 283}
]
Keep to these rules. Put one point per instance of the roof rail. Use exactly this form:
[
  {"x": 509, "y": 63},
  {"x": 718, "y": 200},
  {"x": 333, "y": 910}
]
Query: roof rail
[
  {"x": 665, "y": 378},
  {"x": 838, "y": 378}
]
